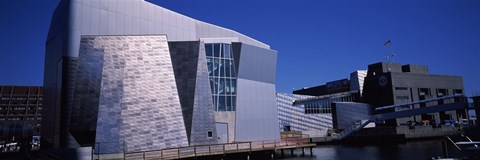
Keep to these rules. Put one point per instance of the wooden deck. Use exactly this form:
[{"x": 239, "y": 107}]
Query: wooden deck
[{"x": 286, "y": 142}]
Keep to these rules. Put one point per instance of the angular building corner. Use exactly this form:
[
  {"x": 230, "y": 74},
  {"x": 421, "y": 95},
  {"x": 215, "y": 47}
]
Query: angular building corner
[
  {"x": 191, "y": 75},
  {"x": 141, "y": 77}
]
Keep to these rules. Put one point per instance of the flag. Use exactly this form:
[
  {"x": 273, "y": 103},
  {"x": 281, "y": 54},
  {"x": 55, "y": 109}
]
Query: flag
[{"x": 388, "y": 43}]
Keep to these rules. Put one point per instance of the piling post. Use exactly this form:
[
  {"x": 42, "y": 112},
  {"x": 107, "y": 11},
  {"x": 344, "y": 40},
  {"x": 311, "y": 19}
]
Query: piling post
[{"x": 445, "y": 149}]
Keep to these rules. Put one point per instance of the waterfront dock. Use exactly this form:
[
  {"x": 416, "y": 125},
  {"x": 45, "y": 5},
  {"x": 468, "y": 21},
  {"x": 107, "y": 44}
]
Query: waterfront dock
[{"x": 288, "y": 142}]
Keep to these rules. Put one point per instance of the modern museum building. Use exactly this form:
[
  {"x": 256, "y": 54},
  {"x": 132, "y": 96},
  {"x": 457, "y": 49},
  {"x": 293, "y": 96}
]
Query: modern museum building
[{"x": 142, "y": 77}]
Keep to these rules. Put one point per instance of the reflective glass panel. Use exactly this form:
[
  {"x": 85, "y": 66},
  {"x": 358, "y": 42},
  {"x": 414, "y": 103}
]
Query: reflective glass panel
[
  {"x": 216, "y": 67},
  {"x": 210, "y": 66},
  {"x": 222, "y": 67},
  {"x": 221, "y": 86}
]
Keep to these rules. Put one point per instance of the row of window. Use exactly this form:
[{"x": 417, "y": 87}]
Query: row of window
[
  {"x": 221, "y": 67},
  {"x": 320, "y": 110},
  {"x": 426, "y": 92},
  {"x": 221, "y": 50},
  {"x": 223, "y": 86},
  {"x": 225, "y": 103},
  {"x": 403, "y": 97},
  {"x": 19, "y": 118},
  {"x": 19, "y": 104},
  {"x": 19, "y": 98},
  {"x": 19, "y": 114},
  {"x": 324, "y": 106},
  {"x": 17, "y": 108},
  {"x": 318, "y": 107}
]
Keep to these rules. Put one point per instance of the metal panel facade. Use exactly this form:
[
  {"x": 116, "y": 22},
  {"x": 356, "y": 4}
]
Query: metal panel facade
[
  {"x": 294, "y": 115},
  {"x": 138, "y": 99},
  {"x": 191, "y": 75},
  {"x": 101, "y": 17},
  {"x": 256, "y": 115}
]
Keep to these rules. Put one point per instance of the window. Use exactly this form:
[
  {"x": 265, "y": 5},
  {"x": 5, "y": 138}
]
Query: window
[
  {"x": 423, "y": 91},
  {"x": 208, "y": 50},
  {"x": 458, "y": 91},
  {"x": 222, "y": 76},
  {"x": 210, "y": 134},
  {"x": 317, "y": 108},
  {"x": 403, "y": 97},
  {"x": 442, "y": 92},
  {"x": 401, "y": 88},
  {"x": 19, "y": 108}
]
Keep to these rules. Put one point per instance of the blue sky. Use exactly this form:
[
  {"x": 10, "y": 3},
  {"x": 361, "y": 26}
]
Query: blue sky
[{"x": 317, "y": 40}]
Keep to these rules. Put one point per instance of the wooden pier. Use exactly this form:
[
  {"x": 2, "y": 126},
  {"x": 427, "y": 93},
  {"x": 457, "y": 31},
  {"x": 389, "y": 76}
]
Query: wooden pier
[{"x": 287, "y": 142}]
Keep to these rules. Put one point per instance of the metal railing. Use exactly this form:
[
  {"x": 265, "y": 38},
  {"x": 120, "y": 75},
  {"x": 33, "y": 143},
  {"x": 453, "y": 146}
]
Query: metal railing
[
  {"x": 353, "y": 128},
  {"x": 216, "y": 149}
]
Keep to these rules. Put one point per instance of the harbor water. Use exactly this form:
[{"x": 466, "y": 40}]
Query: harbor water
[{"x": 411, "y": 150}]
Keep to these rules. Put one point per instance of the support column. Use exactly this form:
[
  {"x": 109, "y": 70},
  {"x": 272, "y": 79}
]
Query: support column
[{"x": 476, "y": 105}]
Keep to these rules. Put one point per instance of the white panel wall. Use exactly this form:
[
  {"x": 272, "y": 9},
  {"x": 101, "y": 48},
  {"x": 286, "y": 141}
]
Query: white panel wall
[
  {"x": 257, "y": 117},
  {"x": 137, "y": 17}
]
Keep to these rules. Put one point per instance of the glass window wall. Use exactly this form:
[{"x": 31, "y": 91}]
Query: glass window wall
[{"x": 222, "y": 76}]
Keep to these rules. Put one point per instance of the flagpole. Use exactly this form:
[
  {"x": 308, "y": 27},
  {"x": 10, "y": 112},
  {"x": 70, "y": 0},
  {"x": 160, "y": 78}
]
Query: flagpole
[{"x": 392, "y": 55}]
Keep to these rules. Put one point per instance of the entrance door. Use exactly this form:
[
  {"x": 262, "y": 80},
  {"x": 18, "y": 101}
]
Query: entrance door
[{"x": 222, "y": 132}]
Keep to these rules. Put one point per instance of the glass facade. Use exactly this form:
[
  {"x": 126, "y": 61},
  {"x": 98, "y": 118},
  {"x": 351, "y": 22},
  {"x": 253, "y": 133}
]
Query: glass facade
[
  {"x": 222, "y": 76},
  {"x": 322, "y": 106}
]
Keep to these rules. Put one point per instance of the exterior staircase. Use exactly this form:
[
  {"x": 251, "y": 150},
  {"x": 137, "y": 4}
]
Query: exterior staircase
[{"x": 352, "y": 129}]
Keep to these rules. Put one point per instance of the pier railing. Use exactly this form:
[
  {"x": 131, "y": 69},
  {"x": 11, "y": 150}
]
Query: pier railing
[{"x": 217, "y": 149}]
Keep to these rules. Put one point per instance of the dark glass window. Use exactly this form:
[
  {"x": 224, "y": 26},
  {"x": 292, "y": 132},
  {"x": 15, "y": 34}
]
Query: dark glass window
[
  {"x": 208, "y": 50},
  {"x": 221, "y": 103},
  {"x": 210, "y": 134},
  {"x": 234, "y": 103},
  {"x": 216, "y": 50},
  {"x": 229, "y": 102},
  {"x": 458, "y": 91}
]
